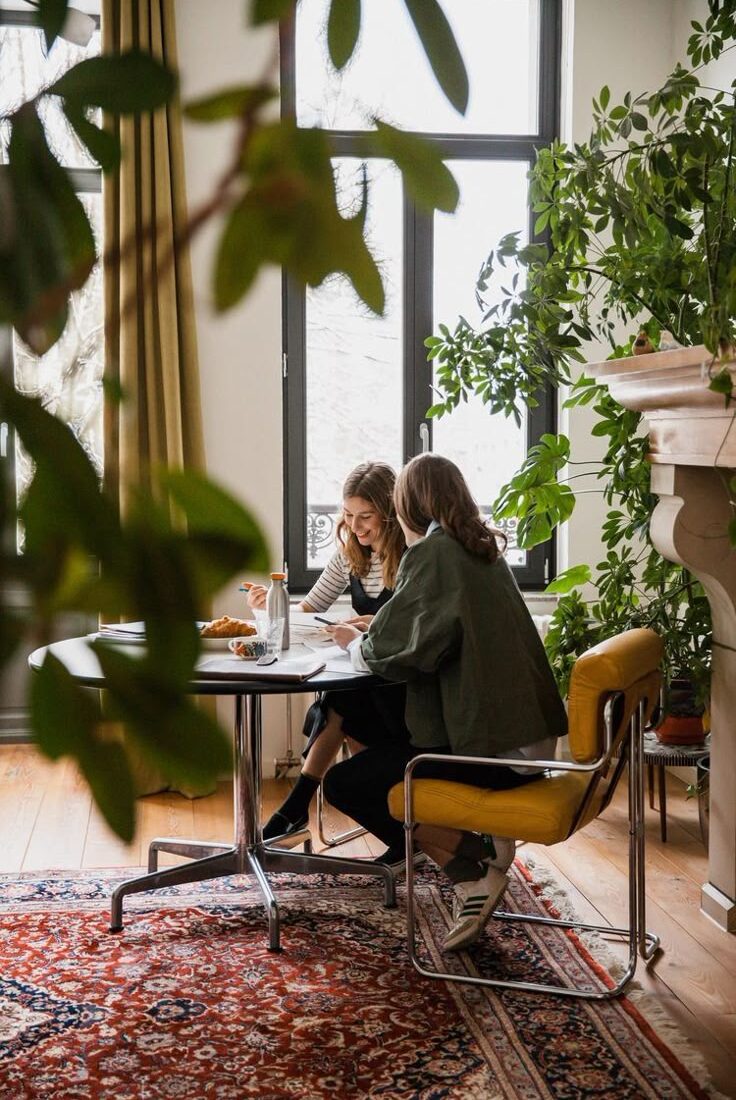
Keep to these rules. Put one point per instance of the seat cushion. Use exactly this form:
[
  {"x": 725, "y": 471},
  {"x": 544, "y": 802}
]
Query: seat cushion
[{"x": 542, "y": 811}]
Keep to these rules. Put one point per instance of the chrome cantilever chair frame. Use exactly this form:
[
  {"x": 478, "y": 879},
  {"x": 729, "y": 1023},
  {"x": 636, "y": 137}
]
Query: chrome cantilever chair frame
[
  {"x": 339, "y": 838},
  {"x": 641, "y": 943}
]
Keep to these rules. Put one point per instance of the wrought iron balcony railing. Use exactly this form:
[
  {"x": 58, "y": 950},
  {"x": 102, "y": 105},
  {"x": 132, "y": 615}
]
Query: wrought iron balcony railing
[{"x": 322, "y": 521}]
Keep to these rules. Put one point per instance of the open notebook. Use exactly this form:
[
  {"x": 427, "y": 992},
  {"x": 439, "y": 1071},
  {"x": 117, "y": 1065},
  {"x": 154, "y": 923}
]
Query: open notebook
[{"x": 293, "y": 669}]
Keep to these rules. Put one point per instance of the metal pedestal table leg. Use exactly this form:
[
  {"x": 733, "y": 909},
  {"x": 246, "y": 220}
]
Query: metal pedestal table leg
[
  {"x": 213, "y": 867},
  {"x": 247, "y": 795},
  {"x": 192, "y": 849}
]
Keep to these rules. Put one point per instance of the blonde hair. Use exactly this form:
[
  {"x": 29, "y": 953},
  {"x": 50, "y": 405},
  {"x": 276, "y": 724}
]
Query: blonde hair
[
  {"x": 431, "y": 487},
  {"x": 374, "y": 482}
]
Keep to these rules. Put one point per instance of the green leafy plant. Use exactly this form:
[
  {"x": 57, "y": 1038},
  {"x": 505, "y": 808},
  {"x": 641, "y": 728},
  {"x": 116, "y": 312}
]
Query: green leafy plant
[
  {"x": 635, "y": 227},
  {"x": 278, "y": 205}
]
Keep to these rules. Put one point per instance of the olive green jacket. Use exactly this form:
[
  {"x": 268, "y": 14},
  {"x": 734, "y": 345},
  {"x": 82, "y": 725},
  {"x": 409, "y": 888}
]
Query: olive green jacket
[{"x": 459, "y": 633}]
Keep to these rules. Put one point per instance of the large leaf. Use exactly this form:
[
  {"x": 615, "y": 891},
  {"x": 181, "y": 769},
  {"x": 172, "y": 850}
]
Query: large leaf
[
  {"x": 124, "y": 84},
  {"x": 48, "y": 247},
  {"x": 168, "y": 729},
  {"x": 229, "y": 102},
  {"x": 51, "y": 17},
  {"x": 269, "y": 11},
  {"x": 69, "y": 497},
  {"x": 103, "y": 146},
  {"x": 290, "y": 217},
  {"x": 426, "y": 176},
  {"x": 343, "y": 29},
  {"x": 574, "y": 577},
  {"x": 241, "y": 251},
  {"x": 67, "y": 722},
  {"x": 211, "y": 510},
  {"x": 441, "y": 49}
]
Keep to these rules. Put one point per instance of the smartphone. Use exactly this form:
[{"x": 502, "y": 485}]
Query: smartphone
[{"x": 321, "y": 619}]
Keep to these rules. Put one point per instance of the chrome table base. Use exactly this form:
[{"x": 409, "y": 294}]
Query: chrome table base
[{"x": 248, "y": 855}]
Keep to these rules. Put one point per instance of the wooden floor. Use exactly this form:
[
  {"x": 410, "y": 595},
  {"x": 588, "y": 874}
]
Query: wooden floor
[{"x": 47, "y": 821}]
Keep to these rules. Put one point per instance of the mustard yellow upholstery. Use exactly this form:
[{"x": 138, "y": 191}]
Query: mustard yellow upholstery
[
  {"x": 614, "y": 665},
  {"x": 552, "y": 807}
]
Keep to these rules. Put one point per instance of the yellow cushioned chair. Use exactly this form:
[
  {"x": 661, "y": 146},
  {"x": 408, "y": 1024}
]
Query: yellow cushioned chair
[{"x": 613, "y": 689}]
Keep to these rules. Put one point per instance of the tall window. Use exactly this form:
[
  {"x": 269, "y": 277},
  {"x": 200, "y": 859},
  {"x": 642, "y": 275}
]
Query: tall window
[
  {"x": 68, "y": 378},
  {"x": 357, "y": 386}
]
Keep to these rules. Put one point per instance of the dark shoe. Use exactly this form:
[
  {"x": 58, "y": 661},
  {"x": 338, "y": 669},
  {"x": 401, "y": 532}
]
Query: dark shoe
[
  {"x": 395, "y": 858},
  {"x": 278, "y": 825}
]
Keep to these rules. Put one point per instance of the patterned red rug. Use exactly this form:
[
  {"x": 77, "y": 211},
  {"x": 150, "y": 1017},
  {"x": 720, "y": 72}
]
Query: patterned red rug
[{"x": 188, "y": 1003}]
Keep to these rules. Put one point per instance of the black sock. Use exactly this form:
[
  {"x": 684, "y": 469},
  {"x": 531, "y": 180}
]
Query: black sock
[
  {"x": 461, "y": 869},
  {"x": 296, "y": 806},
  {"x": 475, "y": 846}
]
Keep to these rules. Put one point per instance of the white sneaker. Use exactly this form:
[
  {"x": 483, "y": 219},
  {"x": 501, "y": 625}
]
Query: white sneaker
[
  {"x": 474, "y": 904},
  {"x": 505, "y": 852}
]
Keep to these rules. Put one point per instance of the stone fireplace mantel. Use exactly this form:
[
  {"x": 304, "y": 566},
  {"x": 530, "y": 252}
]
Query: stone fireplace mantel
[{"x": 692, "y": 437}]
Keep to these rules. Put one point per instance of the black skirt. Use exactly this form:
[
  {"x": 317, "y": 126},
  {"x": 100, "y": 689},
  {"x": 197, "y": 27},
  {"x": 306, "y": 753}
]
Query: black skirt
[{"x": 369, "y": 715}]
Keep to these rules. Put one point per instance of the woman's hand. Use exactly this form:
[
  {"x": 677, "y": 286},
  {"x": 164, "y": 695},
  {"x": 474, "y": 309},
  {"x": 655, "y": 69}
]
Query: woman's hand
[
  {"x": 361, "y": 621},
  {"x": 344, "y": 634},
  {"x": 257, "y": 596}
]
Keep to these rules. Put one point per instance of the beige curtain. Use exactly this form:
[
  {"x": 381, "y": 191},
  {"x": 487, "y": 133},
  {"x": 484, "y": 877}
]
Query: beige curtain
[
  {"x": 150, "y": 336},
  {"x": 151, "y": 345}
]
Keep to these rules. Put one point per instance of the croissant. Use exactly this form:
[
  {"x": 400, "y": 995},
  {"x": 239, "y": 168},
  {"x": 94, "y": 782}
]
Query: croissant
[{"x": 226, "y": 627}]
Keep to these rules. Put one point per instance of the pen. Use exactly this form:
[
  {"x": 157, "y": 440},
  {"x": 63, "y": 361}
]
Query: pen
[{"x": 320, "y": 619}]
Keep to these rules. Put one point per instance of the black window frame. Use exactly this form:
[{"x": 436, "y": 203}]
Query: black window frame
[{"x": 417, "y": 317}]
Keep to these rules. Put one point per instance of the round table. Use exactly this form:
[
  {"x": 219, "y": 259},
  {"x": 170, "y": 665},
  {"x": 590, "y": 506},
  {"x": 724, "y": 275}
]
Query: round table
[
  {"x": 660, "y": 756},
  {"x": 247, "y": 853}
]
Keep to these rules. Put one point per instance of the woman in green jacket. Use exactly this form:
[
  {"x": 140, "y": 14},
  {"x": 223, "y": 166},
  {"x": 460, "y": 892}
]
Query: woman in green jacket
[{"x": 458, "y": 632}]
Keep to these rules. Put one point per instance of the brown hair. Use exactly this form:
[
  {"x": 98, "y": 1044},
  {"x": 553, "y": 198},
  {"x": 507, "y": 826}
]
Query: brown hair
[
  {"x": 374, "y": 482},
  {"x": 431, "y": 487}
]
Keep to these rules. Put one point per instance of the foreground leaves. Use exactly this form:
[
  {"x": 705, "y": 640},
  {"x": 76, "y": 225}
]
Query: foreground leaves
[{"x": 78, "y": 555}]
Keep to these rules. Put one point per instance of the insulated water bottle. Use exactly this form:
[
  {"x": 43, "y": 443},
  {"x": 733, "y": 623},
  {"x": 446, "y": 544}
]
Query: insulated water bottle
[{"x": 277, "y": 606}]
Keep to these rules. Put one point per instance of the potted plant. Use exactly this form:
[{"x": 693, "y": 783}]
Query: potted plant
[{"x": 635, "y": 229}]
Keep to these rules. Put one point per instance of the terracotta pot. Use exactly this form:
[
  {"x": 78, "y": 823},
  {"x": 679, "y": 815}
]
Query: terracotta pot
[{"x": 682, "y": 723}]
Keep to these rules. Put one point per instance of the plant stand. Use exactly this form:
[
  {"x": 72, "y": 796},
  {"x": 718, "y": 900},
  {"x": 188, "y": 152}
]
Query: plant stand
[{"x": 658, "y": 757}]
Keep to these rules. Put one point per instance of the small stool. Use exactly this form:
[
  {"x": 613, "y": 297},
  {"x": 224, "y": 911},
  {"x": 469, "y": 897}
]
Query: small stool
[{"x": 659, "y": 756}]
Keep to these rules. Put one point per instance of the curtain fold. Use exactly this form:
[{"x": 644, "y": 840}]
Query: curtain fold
[
  {"x": 151, "y": 343},
  {"x": 150, "y": 335}
]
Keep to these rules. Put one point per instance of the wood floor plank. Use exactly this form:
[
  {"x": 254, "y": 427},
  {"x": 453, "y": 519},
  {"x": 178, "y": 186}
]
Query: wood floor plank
[
  {"x": 60, "y": 828},
  {"x": 103, "y": 849},
  {"x": 161, "y": 815},
  {"x": 23, "y": 777}
]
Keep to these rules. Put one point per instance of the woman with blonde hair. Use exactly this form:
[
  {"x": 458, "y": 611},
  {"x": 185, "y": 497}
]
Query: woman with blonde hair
[
  {"x": 370, "y": 543},
  {"x": 458, "y": 632}
]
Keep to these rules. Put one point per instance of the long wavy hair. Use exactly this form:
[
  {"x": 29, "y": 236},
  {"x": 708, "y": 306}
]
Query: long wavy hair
[
  {"x": 374, "y": 482},
  {"x": 431, "y": 487}
]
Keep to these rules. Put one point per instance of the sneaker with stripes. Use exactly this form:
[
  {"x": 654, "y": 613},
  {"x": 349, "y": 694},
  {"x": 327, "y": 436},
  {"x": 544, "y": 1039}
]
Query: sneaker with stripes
[{"x": 474, "y": 904}]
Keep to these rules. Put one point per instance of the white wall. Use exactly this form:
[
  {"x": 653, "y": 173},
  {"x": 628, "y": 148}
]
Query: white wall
[
  {"x": 629, "y": 45},
  {"x": 240, "y": 351}
]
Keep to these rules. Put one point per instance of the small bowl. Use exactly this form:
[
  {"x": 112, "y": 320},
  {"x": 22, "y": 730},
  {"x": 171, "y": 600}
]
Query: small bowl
[{"x": 248, "y": 649}]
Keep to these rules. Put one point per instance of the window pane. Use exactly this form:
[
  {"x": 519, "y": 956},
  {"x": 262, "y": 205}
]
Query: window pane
[
  {"x": 25, "y": 69},
  {"x": 488, "y": 449},
  {"x": 68, "y": 378},
  {"x": 354, "y": 388},
  {"x": 390, "y": 76}
]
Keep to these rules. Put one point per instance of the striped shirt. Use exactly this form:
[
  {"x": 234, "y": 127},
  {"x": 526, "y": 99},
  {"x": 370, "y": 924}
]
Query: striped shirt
[{"x": 335, "y": 578}]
